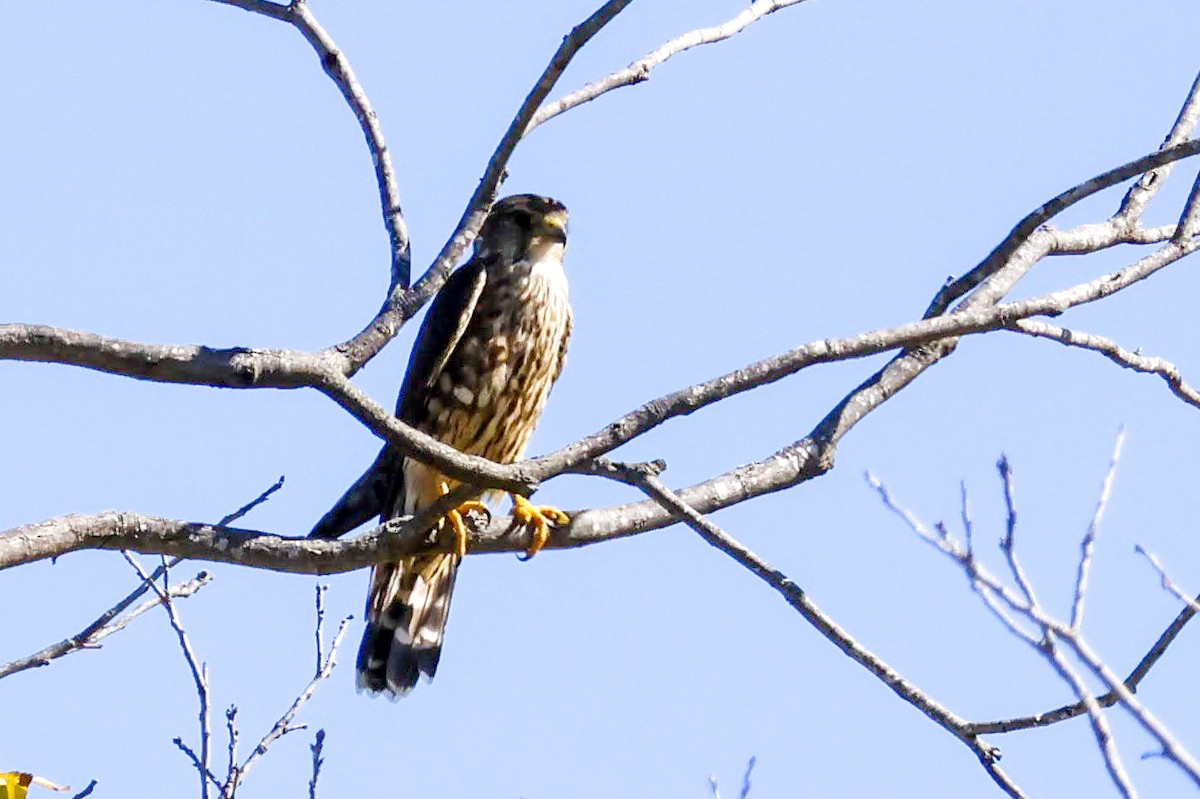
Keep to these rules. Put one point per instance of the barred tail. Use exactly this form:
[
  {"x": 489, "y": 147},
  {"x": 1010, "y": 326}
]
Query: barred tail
[{"x": 406, "y": 618}]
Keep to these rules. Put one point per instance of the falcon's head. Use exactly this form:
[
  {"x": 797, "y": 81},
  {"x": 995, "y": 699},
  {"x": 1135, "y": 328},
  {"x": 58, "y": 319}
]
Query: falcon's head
[{"x": 523, "y": 226}]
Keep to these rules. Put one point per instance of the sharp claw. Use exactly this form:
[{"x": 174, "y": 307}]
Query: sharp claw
[
  {"x": 539, "y": 518},
  {"x": 460, "y": 532},
  {"x": 458, "y": 524}
]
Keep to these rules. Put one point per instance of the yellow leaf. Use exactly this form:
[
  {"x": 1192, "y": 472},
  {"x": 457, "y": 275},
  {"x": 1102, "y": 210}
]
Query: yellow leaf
[{"x": 14, "y": 784}]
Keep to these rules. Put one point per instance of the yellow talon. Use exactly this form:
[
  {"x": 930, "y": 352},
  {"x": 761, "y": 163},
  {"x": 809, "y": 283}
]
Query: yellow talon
[
  {"x": 459, "y": 525},
  {"x": 538, "y": 517}
]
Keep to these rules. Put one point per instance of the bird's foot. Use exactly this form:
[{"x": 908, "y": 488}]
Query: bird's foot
[
  {"x": 458, "y": 524},
  {"x": 538, "y": 517}
]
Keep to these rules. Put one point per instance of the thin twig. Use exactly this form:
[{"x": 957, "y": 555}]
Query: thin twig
[
  {"x": 1007, "y": 543},
  {"x": 87, "y": 791},
  {"x": 251, "y": 505},
  {"x": 317, "y": 747},
  {"x": 199, "y": 678},
  {"x": 1046, "y": 645},
  {"x": 1172, "y": 750},
  {"x": 283, "y": 725},
  {"x": 965, "y": 514},
  {"x": 746, "y": 778},
  {"x": 945, "y": 543},
  {"x": 1114, "y": 352},
  {"x": 231, "y": 773},
  {"x": 320, "y": 631},
  {"x": 1167, "y": 583},
  {"x": 191, "y": 755},
  {"x": 107, "y": 624},
  {"x": 1088, "y": 545}
]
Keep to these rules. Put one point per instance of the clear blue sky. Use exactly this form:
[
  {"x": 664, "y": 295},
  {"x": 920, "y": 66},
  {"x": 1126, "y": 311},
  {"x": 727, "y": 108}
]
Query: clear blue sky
[{"x": 184, "y": 172}]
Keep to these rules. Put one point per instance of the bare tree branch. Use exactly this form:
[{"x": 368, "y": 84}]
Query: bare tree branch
[
  {"x": 924, "y": 343},
  {"x": 1138, "y": 198},
  {"x": 249, "y": 506},
  {"x": 639, "y": 71},
  {"x": 232, "y": 774},
  {"x": 798, "y": 599},
  {"x": 1026, "y": 228},
  {"x": 802, "y": 460},
  {"x": 283, "y": 725},
  {"x": 318, "y": 745},
  {"x": 197, "y": 764},
  {"x": 337, "y": 67},
  {"x": 1097, "y": 236},
  {"x": 1088, "y": 546},
  {"x": 1008, "y": 541},
  {"x": 104, "y": 626},
  {"x": 320, "y": 628},
  {"x": 1168, "y": 583},
  {"x": 349, "y": 356},
  {"x": 1106, "y": 700},
  {"x": 745, "y": 792},
  {"x": 1114, "y": 352},
  {"x": 1096, "y": 717},
  {"x": 1054, "y": 631},
  {"x": 87, "y": 791},
  {"x": 1046, "y": 643},
  {"x": 199, "y": 677},
  {"x": 1189, "y": 219}
]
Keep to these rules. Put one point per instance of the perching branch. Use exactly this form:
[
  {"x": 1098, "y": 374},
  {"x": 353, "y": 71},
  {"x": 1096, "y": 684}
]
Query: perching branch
[{"x": 801, "y": 461}]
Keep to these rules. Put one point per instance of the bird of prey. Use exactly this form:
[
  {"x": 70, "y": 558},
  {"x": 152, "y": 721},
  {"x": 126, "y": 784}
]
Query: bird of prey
[{"x": 486, "y": 356}]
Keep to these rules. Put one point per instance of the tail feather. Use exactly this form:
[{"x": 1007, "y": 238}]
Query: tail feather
[{"x": 406, "y": 619}]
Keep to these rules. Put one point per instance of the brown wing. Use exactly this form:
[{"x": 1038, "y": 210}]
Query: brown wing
[{"x": 379, "y": 491}]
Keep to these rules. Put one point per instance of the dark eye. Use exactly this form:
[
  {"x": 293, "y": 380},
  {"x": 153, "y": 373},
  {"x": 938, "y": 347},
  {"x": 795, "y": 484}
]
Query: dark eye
[{"x": 523, "y": 221}]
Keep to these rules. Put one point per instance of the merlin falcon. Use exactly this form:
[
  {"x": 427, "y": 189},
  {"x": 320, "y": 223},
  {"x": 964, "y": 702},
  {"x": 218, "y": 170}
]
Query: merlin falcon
[{"x": 486, "y": 356}]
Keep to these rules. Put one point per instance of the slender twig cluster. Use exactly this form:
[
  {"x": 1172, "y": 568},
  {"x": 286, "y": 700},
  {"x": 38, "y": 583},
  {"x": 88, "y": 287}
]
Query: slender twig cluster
[
  {"x": 236, "y": 771},
  {"x": 1060, "y": 642}
]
